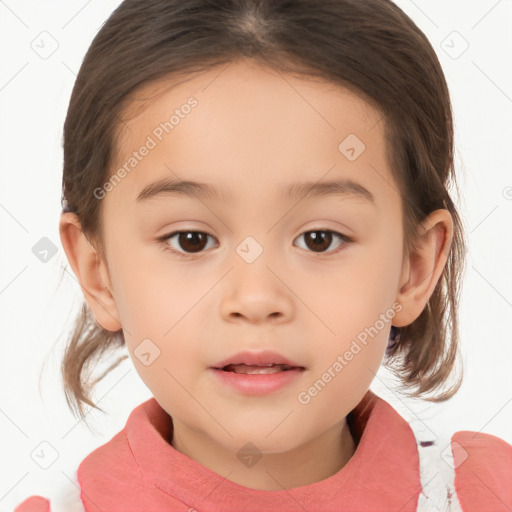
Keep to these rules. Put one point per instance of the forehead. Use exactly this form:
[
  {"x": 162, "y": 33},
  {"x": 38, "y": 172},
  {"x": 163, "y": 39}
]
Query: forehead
[
  {"x": 249, "y": 83},
  {"x": 244, "y": 126}
]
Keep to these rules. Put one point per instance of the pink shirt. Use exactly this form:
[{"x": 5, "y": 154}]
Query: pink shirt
[{"x": 139, "y": 470}]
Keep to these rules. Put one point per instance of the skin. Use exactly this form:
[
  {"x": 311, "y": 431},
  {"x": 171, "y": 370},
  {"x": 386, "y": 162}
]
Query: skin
[{"x": 253, "y": 132}]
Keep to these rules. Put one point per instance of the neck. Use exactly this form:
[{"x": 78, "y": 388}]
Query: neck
[{"x": 311, "y": 462}]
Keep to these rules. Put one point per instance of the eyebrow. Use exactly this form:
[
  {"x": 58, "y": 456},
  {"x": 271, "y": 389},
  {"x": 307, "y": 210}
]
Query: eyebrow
[{"x": 304, "y": 190}]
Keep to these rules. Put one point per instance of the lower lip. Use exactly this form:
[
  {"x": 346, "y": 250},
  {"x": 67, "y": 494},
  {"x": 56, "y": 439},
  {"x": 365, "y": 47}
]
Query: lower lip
[{"x": 257, "y": 383}]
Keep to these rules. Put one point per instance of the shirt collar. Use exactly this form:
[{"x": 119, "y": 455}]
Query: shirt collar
[{"x": 384, "y": 468}]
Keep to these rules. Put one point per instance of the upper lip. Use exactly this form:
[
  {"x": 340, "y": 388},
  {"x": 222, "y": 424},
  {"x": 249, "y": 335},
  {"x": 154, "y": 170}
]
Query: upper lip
[{"x": 262, "y": 358}]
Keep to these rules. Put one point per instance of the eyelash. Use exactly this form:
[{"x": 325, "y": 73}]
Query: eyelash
[{"x": 164, "y": 239}]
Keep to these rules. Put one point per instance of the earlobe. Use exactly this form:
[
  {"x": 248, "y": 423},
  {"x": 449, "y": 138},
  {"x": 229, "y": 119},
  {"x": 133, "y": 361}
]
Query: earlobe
[
  {"x": 90, "y": 270},
  {"x": 425, "y": 266}
]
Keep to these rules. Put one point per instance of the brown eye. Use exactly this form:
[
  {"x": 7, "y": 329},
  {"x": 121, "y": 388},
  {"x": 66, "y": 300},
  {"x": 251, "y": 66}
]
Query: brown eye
[
  {"x": 192, "y": 241},
  {"x": 320, "y": 240},
  {"x": 187, "y": 242}
]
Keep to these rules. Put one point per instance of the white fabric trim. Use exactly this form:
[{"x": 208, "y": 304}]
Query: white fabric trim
[
  {"x": 67, "y": 498},
  {"x": 437, "y": 471}
]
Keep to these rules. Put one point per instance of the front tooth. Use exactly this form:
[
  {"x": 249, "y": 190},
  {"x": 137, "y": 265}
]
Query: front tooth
[
  {"x": 263, "y": 369},
  {"x": 250, "y": 369}
]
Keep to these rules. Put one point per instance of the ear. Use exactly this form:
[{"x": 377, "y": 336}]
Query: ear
[
  {"x": 423, "y": 268},
  {"x": 90, "y": 270}
]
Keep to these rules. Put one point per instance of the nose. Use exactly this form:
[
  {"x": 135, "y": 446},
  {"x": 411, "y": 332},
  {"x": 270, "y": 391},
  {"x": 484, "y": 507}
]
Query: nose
[{"x": 256, "y": 293}]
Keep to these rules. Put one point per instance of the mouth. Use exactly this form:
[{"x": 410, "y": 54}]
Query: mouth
[
  {"x": 257, "y": 374},
  {"x": 263, "y": 362},
  {"x": 259, "y": 369}
]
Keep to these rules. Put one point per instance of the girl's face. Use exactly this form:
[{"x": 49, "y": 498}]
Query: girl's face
[{"x": 263, "y": 268}]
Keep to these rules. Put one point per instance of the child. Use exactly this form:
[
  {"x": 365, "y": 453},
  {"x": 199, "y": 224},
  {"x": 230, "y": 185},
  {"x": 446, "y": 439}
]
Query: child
[{"x": 306, "y": 148}]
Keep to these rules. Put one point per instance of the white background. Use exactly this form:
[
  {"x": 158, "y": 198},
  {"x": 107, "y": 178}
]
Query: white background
[{"x": 36, "y": 312}]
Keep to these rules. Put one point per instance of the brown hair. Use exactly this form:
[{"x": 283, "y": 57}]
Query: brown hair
[{"x": 369, "y": 46}]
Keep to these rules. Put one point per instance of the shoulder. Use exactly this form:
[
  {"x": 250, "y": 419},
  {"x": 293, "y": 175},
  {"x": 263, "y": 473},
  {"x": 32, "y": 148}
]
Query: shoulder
[
  {"x": 109, "y": 469},
  {"x": 111, "y": 466},
  {"x": 34, "y": 504},
  {"x": 66, "y": 498},
  {"x": 483, "y": 471}
]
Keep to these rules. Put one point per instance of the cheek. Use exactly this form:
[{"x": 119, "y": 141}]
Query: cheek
[
  {"x": 161, "y": 344},
  {"x": 351, "y": 295},
  {"x": 151, "y": 293},
  {"x": 355, "y": 304},
  {"x": 339, "y": 381},
  {"x": 156, "y": 302}
]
